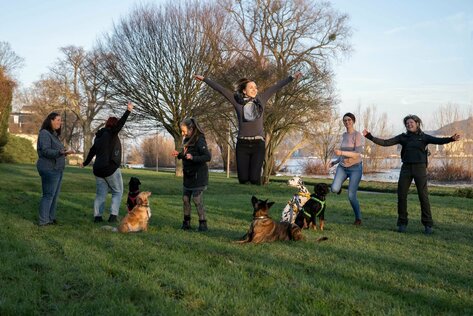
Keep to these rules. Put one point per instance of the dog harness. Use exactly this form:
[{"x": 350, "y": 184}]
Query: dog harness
[{"x": 322, "y": 204}]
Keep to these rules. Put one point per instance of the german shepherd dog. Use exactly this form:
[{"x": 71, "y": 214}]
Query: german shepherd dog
[
  {"x": 133, "y": 191},
  {"x": 264, "y": 229},
  {"x": 137, "y": 219},
  {"x": 313, "y": 208}
]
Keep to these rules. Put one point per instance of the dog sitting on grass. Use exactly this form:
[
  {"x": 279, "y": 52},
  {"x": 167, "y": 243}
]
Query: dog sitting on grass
[
  {"x": 264, "y": 229},
  {"x": 137, "y": 219},
  {"x": 313, "y": 208},
  {"x": 294, "y": 205}
]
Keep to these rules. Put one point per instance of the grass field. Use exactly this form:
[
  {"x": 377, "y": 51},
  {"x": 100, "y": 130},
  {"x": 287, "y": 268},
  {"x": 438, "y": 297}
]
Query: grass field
[{"x": 76, "y": 268}]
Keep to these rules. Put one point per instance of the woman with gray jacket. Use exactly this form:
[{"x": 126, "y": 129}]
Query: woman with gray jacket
[{"x": 50, "y": 165}]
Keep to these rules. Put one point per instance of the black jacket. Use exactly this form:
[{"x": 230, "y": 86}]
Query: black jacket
[
  {"x": 107, "y": 149},
  {"x": 413, "y": 145},
  {"x": 196, "y": 171}
]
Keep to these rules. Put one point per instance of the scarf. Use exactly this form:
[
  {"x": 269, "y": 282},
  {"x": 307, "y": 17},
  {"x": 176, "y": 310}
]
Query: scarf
[{"x": 252, "y": 107}]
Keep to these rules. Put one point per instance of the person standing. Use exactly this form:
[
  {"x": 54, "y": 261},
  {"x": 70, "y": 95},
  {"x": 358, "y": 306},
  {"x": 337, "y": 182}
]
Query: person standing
[
  {"x": 249, "y": 107},
  {"x": 414, "y": 166},
  {"x": 350, "y": 164},
  {"x": 195, "y": 155},
  {"x": 107, "y": 150},
  {"x": 50, "y": 165}
]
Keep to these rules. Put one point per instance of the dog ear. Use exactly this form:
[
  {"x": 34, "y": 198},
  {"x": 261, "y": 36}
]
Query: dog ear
[
  {"x": 254, "y": 200},
  {"x": 269, "y": 204}
]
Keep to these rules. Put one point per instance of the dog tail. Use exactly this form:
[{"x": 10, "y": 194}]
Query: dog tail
[
  {"x": 109, "y": 228},
  {"x": 321, "y": 239}
]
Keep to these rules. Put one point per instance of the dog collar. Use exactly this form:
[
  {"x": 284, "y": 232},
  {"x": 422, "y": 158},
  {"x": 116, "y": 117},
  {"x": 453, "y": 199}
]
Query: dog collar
[{"x": 260, "y": 217}]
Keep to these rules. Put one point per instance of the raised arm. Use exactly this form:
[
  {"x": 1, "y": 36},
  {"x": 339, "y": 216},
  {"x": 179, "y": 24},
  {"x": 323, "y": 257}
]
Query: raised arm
[
  {"x": 264, "y": 96},
  {"x": 217, "y": 87},
  {"x": 382, "y": 142},
  {"x": 121, "y": 122}
]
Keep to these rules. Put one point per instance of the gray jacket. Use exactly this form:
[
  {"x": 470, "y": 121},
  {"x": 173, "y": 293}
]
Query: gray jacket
[{"x": 50, "y": 152}]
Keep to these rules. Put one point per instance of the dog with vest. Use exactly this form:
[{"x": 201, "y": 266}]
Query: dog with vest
[
  {"x": 314, "y": 208},
  {"x": 294, "y": 205},
  {"x": 133, "y": 191}
]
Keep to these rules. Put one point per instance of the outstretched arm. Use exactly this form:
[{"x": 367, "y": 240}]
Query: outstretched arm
[
  {"x": 264, "y": 97},
  {"x": 217, "y": 87},
  {"x": 122, "y": 120},
  {"x": 442, "y": 140},
  {"x": 380, "y": 141}
]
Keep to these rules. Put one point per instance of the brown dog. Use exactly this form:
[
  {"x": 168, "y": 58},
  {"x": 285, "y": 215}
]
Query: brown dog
[
  {"x": 137, "y": 219},
  {"x": 264, "y": 229}
]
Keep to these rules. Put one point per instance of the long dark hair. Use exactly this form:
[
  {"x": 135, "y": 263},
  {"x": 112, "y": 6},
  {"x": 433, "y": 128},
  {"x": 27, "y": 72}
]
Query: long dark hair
[
  {"x": 47, "y": 123},
  {"x": 416, "y": 119},
  {"x": 240, "y": 85},
  {"x": 197, "y": 131}
]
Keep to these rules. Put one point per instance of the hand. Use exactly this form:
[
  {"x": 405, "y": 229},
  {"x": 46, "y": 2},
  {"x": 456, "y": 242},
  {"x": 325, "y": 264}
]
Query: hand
[
  {"x": 365, "y": 132},
  {"x": 129, "y": 106},
  {"x": 68, "y": 152},
  {"x": 297, "y": 75},
  {"x": 338, "y": 152},
  {"x": 331, "y": 164},
  {"x": 456, "y": 137},
  {"x": 81, "y": 165},
  {"x": 199, "y": 77},
  {"x": 188, "y": 156},
  {"x": 174, "y": 153}
]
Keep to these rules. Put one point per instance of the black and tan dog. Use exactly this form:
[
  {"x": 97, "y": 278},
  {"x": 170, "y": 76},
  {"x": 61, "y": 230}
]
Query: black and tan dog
[
  {"x": 264, "y": 229},
  {"x": 313, "y": 208},
  {"x": 133, "y": 191}
]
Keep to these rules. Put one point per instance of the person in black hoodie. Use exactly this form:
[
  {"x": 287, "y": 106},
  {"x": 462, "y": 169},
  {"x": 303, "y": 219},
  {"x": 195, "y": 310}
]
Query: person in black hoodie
[
  {"x": 107, "y": 150},
  {"x": 195, "y": 155},
  {"x": 414, "y": 166}
]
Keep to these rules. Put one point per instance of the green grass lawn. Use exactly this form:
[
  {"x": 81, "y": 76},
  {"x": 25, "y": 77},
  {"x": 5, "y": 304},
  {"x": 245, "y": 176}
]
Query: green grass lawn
[{"x": 76, "y": 268}]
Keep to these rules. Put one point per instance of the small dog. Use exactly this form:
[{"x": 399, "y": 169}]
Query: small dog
[
  {"x": 133, "y": 191},
  {"x": 264, "y": 229},
  {"x": 314, "y": 207},
  {"x": 137, "y": 219},
  {"x": 293, "y": 207}
]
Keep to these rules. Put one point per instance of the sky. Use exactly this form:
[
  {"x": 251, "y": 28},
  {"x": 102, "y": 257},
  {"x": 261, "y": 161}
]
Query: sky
[{"x": 409, "y": 56}]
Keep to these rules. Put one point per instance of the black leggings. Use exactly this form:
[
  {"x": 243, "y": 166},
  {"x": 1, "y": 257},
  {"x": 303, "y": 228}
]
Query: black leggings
[
  {"x": 418, "y": 172},
  {"x": 197, "y": 198},
  {"x": 250, "y": 157}
]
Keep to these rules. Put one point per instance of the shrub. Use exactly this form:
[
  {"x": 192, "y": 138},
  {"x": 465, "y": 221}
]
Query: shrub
[
  {"x": 312, "y": 166},
  {"x": 449, "y": 172},
  {"x": 18, "y": 150},
  {"x": 465, "y": 192}
]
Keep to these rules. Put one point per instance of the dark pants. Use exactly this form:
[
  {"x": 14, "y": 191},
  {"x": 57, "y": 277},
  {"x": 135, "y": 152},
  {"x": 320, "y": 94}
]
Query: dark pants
[
  {"x": 250, "y": 157},
  {"x": 418, "y": 172}
]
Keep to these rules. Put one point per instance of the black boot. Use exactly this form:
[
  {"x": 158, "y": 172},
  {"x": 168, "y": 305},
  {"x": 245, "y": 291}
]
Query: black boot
[
  {"x": 186, "y": 224},
  {"x": 203, "y": 226}
]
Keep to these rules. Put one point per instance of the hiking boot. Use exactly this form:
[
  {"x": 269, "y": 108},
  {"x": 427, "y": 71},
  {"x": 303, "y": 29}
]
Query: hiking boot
[
  {"x": 428, "y": 230},
  {"x": 203, "y": 226},
  {"x": 357, "y": 222},
  {"x": 401, "y": 228},
  {"x": 186, "y": 223},
  {"x": 112, "y": 218},
  {"x": 98, "y": 219}
]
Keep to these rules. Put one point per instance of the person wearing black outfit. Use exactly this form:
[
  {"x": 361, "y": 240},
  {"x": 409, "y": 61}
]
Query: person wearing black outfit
[
  {"x": 107, "y": 150},
  {"x": 414, "y": 166},
  {"x": 249, "y": 107},
  {"x": 195, "y": 155}
]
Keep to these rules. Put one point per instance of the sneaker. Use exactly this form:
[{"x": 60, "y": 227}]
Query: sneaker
[
  {"x": 401, "y": 228},
  {"x": 428, "y": 230},
  {"x": 357, "y": 222},
  {"x": 112, "y": 218},
  {"x": 203, "y": 226},
  {"x": 98, "y": 219}
]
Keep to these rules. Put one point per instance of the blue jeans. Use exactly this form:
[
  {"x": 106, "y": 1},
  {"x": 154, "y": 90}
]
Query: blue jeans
[
  {"x": 51, "y": 184},
  {"x": 354, "y": 173},
  {"x": 113, "y": 182}
]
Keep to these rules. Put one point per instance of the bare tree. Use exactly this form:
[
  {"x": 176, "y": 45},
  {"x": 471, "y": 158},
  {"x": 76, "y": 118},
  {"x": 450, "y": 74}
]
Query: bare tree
[
  {"x": 9, "y": 60},
  {"x": 287, "y": 36},
  {"x": 153, "y": 55}
]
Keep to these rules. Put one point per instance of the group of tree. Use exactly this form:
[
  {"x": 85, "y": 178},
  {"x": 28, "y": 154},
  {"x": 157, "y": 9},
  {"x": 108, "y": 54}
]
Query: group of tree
[{"x": 151, "y": 55}]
